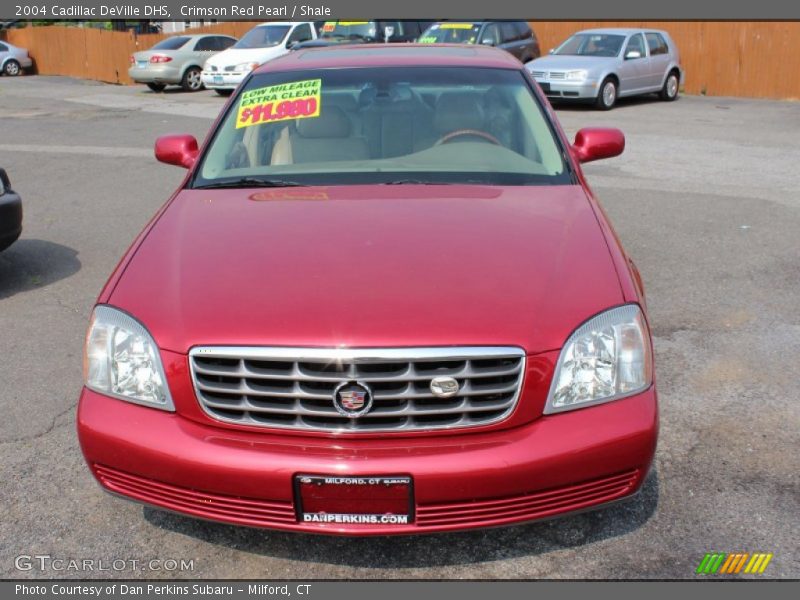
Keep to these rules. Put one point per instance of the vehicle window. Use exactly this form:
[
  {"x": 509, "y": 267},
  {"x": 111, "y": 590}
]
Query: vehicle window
[
  {"x": 656, "y": 44},
  {"x": 206, "y": 44},
  {"x": 3, "y": 48},
  {"x": 491, "y": 33},
  {"x": 410, "y": 29},
  {"x": 523, "y": 30},
  {"x": 223, "y": 43},
  {"x": 263, "y": 36},
  {"x": 301, "y": 33},
  {"x": 508, "y": 32},
  {"x": 451, "y": 33},
  {"x": 351, "y": 30},
  {"x": 172, "y": 43},
  {"x": 636, "y": 43},
  {"x": 382, "y": 125},
  {"x": 591, "y": 44}
]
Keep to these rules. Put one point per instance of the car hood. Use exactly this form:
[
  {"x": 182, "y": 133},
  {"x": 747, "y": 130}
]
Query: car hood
[
  {"x": 568, "y": 62},
  {"x": 237, "y": 56},
  {"x": 371, "y": 266}
]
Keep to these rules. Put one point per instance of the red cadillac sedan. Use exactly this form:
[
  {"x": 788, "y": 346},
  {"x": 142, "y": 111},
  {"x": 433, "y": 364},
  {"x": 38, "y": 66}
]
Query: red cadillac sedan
[{"x": 384, "y": 300}]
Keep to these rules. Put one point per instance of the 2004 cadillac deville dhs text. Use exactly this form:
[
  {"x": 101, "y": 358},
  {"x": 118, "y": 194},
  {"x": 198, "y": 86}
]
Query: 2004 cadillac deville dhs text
[{"x": 384, "y": 300}]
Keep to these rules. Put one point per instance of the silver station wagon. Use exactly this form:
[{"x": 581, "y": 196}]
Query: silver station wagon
[{"x": 601, "y": 65}]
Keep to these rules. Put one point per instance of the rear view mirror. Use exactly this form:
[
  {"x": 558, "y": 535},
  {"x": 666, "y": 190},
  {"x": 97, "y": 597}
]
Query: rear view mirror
[
  {"x": 633, "y": 54},
  {"x": 595, "y": 143},
  {"x": 178, "y": 150},
  {"x": 5, "y": 183}
]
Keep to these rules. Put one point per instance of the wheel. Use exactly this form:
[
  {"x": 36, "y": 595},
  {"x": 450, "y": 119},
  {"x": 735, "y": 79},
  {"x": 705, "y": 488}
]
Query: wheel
[
  {"x": 191, "y": 81},
  {"x": 607, "y": 96},
  {"x": 157, "y": 87},
  {"x": 12, "y": 68},
  {"x": 670, "y": 90},
  {"x": 224, "y": 92}
]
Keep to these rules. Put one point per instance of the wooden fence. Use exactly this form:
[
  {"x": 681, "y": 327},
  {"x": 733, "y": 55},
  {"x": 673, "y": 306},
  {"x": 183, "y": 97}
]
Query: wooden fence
[{"x": 748, "y": 59}]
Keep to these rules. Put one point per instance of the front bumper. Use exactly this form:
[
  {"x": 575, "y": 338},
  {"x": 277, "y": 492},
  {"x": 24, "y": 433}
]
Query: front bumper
[
  {"x": 554, "y": 465},
  {"x": 576, "y": 90},
  {"x": 155, "y": 73},
  {"x": 216, "y": 80}
]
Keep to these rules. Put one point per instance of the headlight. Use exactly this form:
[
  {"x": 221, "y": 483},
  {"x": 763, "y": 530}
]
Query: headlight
[
  {"x": 122, "y": 360},
  {"x": 607, "y": 358},
  {"x": 577, "y": 75},
  {"x": 246, "y": 67}
]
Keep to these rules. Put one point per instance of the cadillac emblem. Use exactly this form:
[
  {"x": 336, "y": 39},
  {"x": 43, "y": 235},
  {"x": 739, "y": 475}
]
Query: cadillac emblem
[{"x": 352, "y": 399}]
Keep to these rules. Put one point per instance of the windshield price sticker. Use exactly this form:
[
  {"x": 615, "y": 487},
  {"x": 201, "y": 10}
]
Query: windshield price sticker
[
  {"x": 430, "y": 39},
  {"x": 456, "y": 25},
  {"x": 329, "y": 26},
  {"x": 296, "y": 100}
]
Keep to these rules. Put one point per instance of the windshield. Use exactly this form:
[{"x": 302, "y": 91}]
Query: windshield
[
  {"x": 591, "y": 44},
  {"x": 172, "y": 43},
  {"x": 385, "y": 125},
  {"x": 264, "y": 36},
  {"x": 349, "y": 29},
  {"x": 451, "y": 33}
]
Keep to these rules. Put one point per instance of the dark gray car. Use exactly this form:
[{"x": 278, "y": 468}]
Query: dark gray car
[
  {"x": 515, "y": 37},
  {"x": 10, "y": 213}
]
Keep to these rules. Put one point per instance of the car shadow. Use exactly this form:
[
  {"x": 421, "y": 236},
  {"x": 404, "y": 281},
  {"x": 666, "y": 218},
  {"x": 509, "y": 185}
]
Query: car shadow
[
  {"x": 429, "y": 550},
  {"x": 28, "y": 264},
  {"x": 621, "y": 103}
]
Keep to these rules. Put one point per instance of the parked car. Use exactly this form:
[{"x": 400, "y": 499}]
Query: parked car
[
  {"x": 224, "y": 72},
  {"x": 601, "y": 65},
  {"x": 10, "y": 213},
  {"x": 515, "y": 37},
  {"x": 177, "y": 60},
  {"x": 13, "y": 60},
  {"x": 334, "y": 33},
  {"x": 391, "y": 305}
]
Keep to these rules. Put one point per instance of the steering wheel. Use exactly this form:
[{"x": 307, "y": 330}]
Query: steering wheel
[{"x": 468, "y": 132}]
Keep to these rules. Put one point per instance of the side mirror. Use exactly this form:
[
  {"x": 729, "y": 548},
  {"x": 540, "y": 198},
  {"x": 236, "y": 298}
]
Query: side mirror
[
  {"x": 388, "y": 32},
  {"x": 632, "y": 54},
  {"x": 5, "y": 182},
  {"x": 178, "y": 150},
  {"x": 551, "y": 50},
  {"x": 290, "y": 44},
  {"x": 488, "y": 42},
  {"x": 594, "y": 143}
]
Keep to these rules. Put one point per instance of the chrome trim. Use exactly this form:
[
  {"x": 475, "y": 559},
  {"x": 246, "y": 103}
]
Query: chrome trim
[{"x": 328, "y": 356}]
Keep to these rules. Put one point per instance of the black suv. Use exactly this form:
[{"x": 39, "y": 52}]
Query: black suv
[
  {"x": 365, "y": 32},
  {"x": 515, "y": 37}
]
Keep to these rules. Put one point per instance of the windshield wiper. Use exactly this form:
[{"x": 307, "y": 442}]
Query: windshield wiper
[
  {"x": 249, "y": 182},
  {"x": 414, "y": 182}
]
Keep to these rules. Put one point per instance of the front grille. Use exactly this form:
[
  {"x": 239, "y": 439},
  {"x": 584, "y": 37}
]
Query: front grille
[
  {"x": 294, "y": 387},
  {"x": 527, "y": 507},
  {"x": 557, "y": 75},
  {"x": 538, "y": 74},
  {"x": 230, "y": 68}
]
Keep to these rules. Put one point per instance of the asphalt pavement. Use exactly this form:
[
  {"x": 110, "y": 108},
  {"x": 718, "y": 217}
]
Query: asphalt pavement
[{"x": 705, "y": 199}]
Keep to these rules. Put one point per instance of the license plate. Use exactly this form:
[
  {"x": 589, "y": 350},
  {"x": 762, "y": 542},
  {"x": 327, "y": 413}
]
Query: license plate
[
  {"x": 218, "y": 79},
  {"x": 336, "y": 500},
  {"x": 142, "y": 64},
  {"x": 544, "y": 85}
]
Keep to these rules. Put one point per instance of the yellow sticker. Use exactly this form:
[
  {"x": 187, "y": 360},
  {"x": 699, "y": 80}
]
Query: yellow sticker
[
  {"x": 346, "y": 23},
  {"x": 295, "y": 100},
  {"x": 431, "y": 39},
  {"x": 456, "y": 26}
]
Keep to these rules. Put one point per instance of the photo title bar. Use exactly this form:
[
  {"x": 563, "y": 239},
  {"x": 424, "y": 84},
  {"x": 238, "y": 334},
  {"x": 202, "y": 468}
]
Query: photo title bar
[{"x": 243, "y": 10}]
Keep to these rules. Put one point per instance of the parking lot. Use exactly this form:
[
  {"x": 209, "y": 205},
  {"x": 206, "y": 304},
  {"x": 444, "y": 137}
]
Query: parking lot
[{"x": 705, "y": 199}]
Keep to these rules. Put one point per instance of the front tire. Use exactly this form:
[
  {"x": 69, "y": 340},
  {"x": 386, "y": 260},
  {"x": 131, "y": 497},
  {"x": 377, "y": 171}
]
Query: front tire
[
  {"x": 669, "y": 92},
  {"x": 157, "y": 87},
  {"x": 12, "y": 68},
  {"x": 192, "y": 81},
  {"x": 607, "y": 96}
]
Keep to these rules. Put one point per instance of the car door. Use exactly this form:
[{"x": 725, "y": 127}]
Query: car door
[
  {"x": 659, "y": 59},
  {"x": 635, "y": 68},
  {"x": 4, "y": 53},
  {"x": 510, "y": 41},
  {"x": 204, "y": 48}
]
